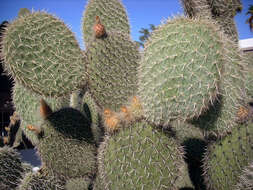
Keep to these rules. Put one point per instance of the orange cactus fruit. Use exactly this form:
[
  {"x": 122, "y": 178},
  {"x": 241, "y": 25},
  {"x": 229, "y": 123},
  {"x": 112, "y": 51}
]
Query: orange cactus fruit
[
  {"x": 45, "y": 110},
  {"x": 136, "y": 107},
  {"x": 34, "y": 129},
  {"x": 111, "y": 121},
  {"x": 98, "y": 28},
  {"x": 6, "y": 140},
  {"x": 242, "y": 114},
  {"x": 126, "y": 114}
]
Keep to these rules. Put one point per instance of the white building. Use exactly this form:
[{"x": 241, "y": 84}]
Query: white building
[{"x": 246, "y": 45}]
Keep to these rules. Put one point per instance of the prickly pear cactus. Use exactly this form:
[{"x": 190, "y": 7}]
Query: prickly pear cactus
[
  {"x": 226, "y": 158},
  {"x": 246, "y": 179},
  {"x": 112, "y": 14},
  {"x": 112, "y": 70},
  {"x": 139, "y": 153},
  {"x": 42, "y": 54},
  {"x": 180, "y": 70},
  {"x": 11, "y": 168},
  {"x": 27, "y": 103},
  {"x": 41, "y": 180}
]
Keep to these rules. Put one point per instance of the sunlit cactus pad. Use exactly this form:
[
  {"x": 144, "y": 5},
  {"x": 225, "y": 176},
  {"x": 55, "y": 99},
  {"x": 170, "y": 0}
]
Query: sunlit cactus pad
[
  {"x": 41, "y": 53},
  {"x": 180, "y": 70},
  {"x": 112, "y": 14}
]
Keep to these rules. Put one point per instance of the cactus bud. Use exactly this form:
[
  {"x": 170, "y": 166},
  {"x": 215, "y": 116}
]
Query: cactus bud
[{"x": 98, "y": 28}]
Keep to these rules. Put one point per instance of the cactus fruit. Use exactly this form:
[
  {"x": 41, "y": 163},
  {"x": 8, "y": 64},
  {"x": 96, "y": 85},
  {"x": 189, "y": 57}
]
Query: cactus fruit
[
  {"x": 112, "y": 70},
  {"x": 27, "y": 104},
  {"x": 246, "y": 179},
  {"x": 226, "y": 158},
  {"x": 11, "y": 169},
  {"x": 112, "y": 14},
  {"x": 176, "y": 81},
  {"x": 42, "y": 54},
  {"x": 98, "y": 28},
  {"x": 68, "y": 140},
  {"x": 135, "y": 157}
]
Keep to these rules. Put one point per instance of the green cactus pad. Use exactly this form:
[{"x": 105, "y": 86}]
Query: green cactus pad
[
  {"x": 112, "y": 70},
  {"x": 23, "y": 12},
  {"x": 41, "y": 53},
  {"x": 249, "y": 75},
  {"x": 67, "y": 146},
  {"x": 41, "y": 180},
  {"x": 246, "y": 178},
  {"x": 112, "y": 15},
  {"x": 11, "y": 169},
  {"x": 222, "y": 114},
  {"x": 78, "y": 184},
  {"x": 141, "y": 157},
  {"x": 27, "y": 104},
  {"x": 196, "y": 8},
  {"x": 226, "y": 158},
  {"x": 85, "y": 103},
  {"x": 180, "y": 70},
  {"x": 225, "y": 7}
]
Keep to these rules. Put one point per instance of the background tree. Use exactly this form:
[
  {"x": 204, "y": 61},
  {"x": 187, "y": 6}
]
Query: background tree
[
  {"x": 145, "y": 34},
  {"x": 250, "y": 19}
]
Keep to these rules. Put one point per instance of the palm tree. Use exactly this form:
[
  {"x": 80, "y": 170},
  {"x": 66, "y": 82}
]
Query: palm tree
[
  {"x": 145, "y": 34},
  {"x": 250, "y": 19}
]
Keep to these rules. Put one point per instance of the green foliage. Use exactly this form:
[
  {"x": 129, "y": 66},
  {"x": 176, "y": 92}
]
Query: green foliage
[
  {"x": 145, "y": 34},
  {"x": 250, "y": 19}
]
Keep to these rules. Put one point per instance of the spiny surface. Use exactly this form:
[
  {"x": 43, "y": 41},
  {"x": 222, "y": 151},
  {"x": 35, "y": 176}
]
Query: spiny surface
[
  {"x": 196, "y": 8},
  {"x": 180, "y": 70},
  {"x": 246, "y": 178},
  {"x": 27, "y": 104},
  {"x": 11, "y": 169},
  {"x": 222, "y": 114},
  {"x": 112, "y": 15},
  {"x": 141, "y": 157},
  {"x": 41, "y": 180},
  {"x": 67, "y": 146},
  {"x": 41, "y": 53},
  {"x": 112, "y": 70},
  {"x": 225, "y": 159}
]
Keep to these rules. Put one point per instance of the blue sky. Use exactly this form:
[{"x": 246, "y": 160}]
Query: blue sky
[{"x": 141, "y": 13}]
